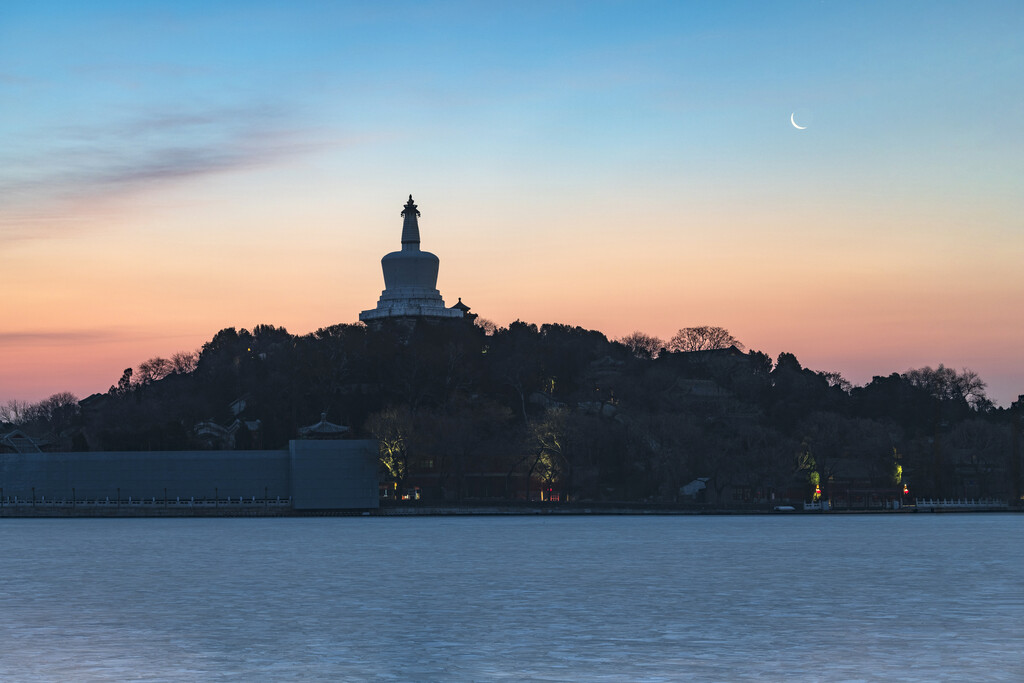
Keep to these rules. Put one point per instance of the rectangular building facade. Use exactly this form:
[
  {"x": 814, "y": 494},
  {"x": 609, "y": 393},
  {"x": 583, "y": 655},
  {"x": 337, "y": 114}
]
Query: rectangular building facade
[{"x": 313, "y": 475}]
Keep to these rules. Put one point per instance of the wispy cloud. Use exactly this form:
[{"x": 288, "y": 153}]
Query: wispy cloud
[
  {"x": 56, "y": 338},
  {"x": 65, "y": 164},
  {"x": 25, "y": 338}
]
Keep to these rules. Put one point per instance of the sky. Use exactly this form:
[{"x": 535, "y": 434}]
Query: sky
[{"x": 169, "y": 169}]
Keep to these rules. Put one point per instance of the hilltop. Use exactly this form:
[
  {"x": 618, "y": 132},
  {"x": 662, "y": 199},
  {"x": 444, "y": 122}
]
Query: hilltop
[{"x": 473, "y": 411}]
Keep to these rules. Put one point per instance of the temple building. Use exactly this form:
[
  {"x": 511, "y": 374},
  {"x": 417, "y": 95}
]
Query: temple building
[{"x": 410, "y": 280}]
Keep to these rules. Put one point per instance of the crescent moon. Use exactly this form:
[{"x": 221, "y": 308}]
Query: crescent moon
[{"x": 793, "y": 121}]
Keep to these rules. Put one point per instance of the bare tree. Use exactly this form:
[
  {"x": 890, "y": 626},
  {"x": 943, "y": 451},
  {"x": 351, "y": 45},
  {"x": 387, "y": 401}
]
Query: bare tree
[
  {"x": 57, "y": 412},
  {"x": 54, "y": 414},
  {"x": 393, "y": 427},
  {"x": 836, "y": 379},
  {"x": 703, "y": 338},
  {"x": 549, "y": 460},
  {"x": 153, "y": 370},
  {"x": 642, "y": 345},
  {"x": 15, "y": 412},
  {"x": 486, "y": 325},
  {"x": 947, "y": 384},
  {"x": 184, "y": 362}
]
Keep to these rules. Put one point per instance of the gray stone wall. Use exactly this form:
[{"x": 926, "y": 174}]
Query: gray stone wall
[{"x": 319, "y": 474}]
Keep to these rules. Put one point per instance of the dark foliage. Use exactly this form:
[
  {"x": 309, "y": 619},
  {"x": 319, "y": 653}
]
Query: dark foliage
[{"x": 507, "y": 412}]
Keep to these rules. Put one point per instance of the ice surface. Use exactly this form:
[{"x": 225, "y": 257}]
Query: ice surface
[{"x": 796, "y": 598}]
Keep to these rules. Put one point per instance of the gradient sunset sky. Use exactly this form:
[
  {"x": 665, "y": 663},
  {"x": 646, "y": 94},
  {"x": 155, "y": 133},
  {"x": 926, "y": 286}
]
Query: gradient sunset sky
[{"x": 168, "y": 169}]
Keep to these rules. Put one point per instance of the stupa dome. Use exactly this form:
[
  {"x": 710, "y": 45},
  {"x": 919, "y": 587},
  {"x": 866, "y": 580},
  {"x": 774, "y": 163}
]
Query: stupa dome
[{"x": 410, "y": 278}]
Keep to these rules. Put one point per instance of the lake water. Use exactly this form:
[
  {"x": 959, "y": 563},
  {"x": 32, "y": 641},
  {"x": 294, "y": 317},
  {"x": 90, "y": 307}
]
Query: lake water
[{"x": 772, "y": 598}]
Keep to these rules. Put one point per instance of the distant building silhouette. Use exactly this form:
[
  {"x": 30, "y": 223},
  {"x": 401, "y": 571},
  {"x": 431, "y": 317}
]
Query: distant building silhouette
[
  {"x": 465, "y": 311},
  {"x": 324, "y": 430},
  {"x": 410, "y": 280},
  {"x": 17, "y": 441}
]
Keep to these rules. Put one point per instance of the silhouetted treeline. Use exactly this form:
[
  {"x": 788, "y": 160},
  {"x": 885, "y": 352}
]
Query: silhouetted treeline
[{"x": 469, "y": 414}]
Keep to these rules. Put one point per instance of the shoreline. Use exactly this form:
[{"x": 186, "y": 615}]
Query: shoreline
[{"x": 257, "y": 509}]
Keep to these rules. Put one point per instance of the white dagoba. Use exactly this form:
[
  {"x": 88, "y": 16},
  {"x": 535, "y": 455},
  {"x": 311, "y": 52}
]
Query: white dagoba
[{"x": 410, "y": 279}]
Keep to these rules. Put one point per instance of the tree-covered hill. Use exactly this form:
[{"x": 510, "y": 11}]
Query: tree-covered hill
[{"x": 473, "y": 411}]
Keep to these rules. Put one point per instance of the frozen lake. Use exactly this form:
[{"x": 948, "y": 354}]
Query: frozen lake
[{"x": 790, "y": 597}]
